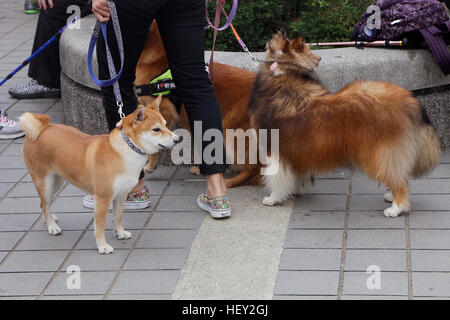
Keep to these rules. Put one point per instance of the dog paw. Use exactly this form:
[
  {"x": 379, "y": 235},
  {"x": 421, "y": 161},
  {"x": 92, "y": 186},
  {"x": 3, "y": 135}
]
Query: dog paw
[
  {"x": 123, "y": 234},
  {"x": 392, "y": 212},
  {"x": 54, "y": 229},
  {"x": 105, "y": 249},
  {"x": 268, "y": 201},
  {"x": 195, "y": 171},
  {"x": 388, "y": 197}
]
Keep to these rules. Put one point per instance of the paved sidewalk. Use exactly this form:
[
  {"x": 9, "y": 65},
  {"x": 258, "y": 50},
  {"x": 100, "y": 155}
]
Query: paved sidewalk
[{"x": 317, "y": 246}]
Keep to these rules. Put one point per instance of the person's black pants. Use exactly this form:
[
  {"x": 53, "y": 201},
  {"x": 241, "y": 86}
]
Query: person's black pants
[
  {"x": 181, "y": 24},
  {"x": 45, "y": 67}
]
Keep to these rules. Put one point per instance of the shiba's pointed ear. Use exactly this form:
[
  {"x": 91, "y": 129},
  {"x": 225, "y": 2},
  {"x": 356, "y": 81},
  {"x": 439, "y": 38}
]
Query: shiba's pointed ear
[
  {"x": 156, "y": 103},
  {"x": 139, "y": 114},
  {"x": 299, "y": 43}
]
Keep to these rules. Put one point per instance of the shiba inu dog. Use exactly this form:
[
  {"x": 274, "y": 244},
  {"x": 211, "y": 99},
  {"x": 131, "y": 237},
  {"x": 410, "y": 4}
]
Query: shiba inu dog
[
  {"x": 107, "y": 166},
  {"x": 376, "y": 126}
]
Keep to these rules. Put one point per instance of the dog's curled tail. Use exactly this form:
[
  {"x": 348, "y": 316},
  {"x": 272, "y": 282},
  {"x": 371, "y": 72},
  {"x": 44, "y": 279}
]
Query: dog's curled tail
[
  {"x": 428, "y": 150},
  {"x": 34, "y": 124}
]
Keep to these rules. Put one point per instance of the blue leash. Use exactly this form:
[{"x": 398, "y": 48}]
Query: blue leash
[
  {"x": 114, "y": 81},
  {"x": 45, "y": 45}
]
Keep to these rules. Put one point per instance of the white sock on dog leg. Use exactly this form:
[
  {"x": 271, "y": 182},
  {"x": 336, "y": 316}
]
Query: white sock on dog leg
[
  {"x": 393, "y": 211},
  {"x": 388, "y": 197}
]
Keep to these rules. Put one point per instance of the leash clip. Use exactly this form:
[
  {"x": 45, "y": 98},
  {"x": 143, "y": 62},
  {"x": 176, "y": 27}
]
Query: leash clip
[{"x": 120, "y": 105}]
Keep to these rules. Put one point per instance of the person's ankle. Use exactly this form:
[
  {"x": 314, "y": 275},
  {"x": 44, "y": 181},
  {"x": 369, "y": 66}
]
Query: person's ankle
[{"x": 138, "y": 187}]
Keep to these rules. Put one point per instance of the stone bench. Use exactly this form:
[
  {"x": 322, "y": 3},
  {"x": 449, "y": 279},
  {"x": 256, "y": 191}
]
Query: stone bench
[{"x": 412, "y": 69}]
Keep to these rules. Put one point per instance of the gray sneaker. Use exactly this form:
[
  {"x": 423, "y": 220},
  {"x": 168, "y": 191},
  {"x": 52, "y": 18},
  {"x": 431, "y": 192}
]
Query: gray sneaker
[
  {"x": 9, "y": 129},
  {"x": 33, "y": 90}
]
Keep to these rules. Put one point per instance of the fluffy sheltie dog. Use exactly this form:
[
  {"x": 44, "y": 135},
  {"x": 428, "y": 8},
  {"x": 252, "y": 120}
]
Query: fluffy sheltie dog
[{"x": 376, "y": 126}]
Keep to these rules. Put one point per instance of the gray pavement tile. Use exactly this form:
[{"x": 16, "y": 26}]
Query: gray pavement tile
[
  {"x": 159, "y": 239},
  {"x": 430, "y": 239},
  {"x": 151, "y": 259},
  {"x": 307, "y": 283},
  {"x": 317, "y": 219},
  {"x": 23, "y": 190},
  {"x": 371, "y": 202},
  {"x": 183, "y": 173},
  {"x": 9, "y": 239},
  {"x": 431, "y": 298},
  {"x": 178, "y": 203},
  {"x": 5, "y": 187},
  {"x": 12, "y": 162},
  {"x": 13, "y": 149},
  {"x": 320, "y": 202},
  {"x": 71, "y": 191},
  {"x": 182, "y": 187},
  {"x": 69, "y": 204},
  {"x": 73, "y": 297},
  {"x": 67, "y": 221},
  {"x": 2, "y": 256},
  {"x": 327, "y": 186},
  {"x": 156, "y": 186},
  {"x": 17, "y": 222},
  {"x": 19, "y": 298},
  {"x": 3, "y": 146},
  {"x": 374, "y": 220},
  {"x": 17, "y": 284},
  {"x": 366, "y": 297},
  {"x": 91, "y": 260},
  {"x": 176, "y": 220},
  {"x": 341, "y": 173},
  {"x": 387, "y": 260},
  {"x": 160, "y": 173},
  {"x": 429, "y": 219},
  {"x": 33, "y": 261},
  {"x": 92, "y": 283},
  {"x": 441, "y": 171},
  {"x": 131, "y": 220},
  {"x": 310, "y": 259},
  {"x": 430, "y": 260},
  {"x": 23, "y": 106},
  {"x": 146, "y": 282},
  {"x": 88, "y": 240},
  {"x": 430, "y": 202},
  {"x": 139, "y": 297},
  {"x": 431, "y": 284},
  {"x": 361, "y": 184},
  {"x": 445, "y": 156},
  {"x": 376, "y": 239},
  {"x": 304, "y": 297},
  {"x": 17, "y": 205},
  {"x": 325, "y": 239},
  {"x": 429, "y": 186},
  {"x": 42, "y": 240},
  {"x": 391, "y": 283}
]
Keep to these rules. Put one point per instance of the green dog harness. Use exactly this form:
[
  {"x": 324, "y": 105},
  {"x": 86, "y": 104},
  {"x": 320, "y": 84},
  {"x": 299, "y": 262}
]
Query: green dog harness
[{"x": 161, "y": 85}]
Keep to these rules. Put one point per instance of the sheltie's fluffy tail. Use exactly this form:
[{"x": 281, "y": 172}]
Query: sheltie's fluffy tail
[
  {"x": 34, "y": 124},
  {"x": 428, "y": 151}
]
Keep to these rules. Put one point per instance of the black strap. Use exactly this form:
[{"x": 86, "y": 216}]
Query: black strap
[{"x": 154, "y": 88}]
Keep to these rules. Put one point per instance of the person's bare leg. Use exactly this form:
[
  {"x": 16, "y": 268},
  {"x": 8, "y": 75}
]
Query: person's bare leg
[{"x": 215, "y": 185}]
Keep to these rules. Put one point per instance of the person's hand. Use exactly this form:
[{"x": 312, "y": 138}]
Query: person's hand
[
  {"x": 43, "y": 4},
  {"x": 101, "y": 10}
]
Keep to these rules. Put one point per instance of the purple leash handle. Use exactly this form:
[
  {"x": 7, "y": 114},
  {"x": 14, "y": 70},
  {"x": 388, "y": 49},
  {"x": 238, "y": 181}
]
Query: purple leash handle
[{"x": 230, "y": 17}]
